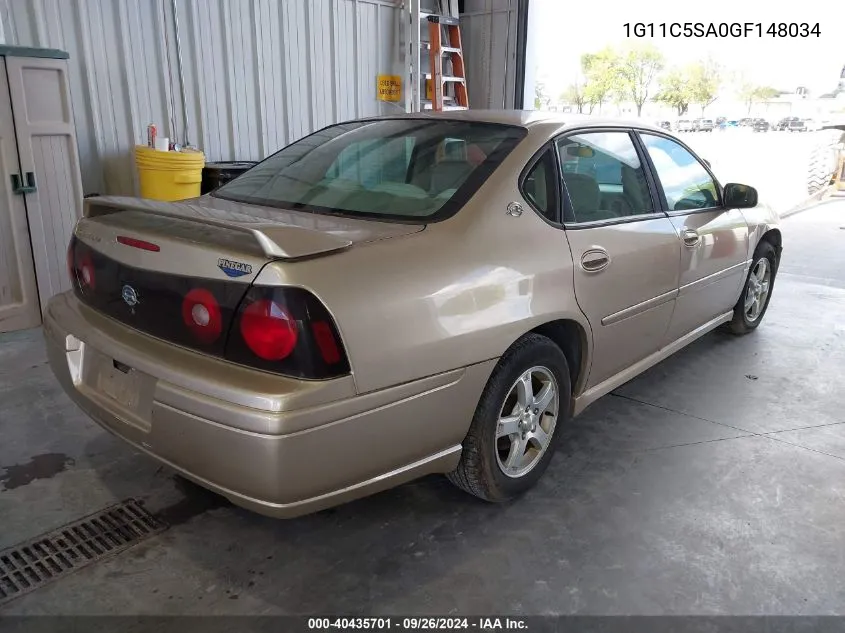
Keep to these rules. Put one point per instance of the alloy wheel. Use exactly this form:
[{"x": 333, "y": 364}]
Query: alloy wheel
[
  {"x": 757, "y": 291},
  {"x": 527, "y": 421}
]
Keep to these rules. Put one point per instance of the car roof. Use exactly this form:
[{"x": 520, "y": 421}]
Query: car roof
[{"x": 530, "y": 118}]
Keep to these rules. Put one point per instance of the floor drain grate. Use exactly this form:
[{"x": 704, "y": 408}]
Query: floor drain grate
[{"x": 34, "y": 563}]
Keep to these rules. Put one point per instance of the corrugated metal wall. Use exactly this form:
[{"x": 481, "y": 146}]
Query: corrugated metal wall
[
  {"x": 259, "y": 73},
  {"x": 489, "y": 33}
]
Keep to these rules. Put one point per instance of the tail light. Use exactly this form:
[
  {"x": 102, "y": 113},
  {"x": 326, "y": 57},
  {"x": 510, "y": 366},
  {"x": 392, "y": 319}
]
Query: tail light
[
  {"x": 87, "y": 275},
  {"x": 286, "y": 331},
  {"x": 80, "y": 263},
  {"x": 201, "y": 314},
  {"x": 268, "y": 330}
]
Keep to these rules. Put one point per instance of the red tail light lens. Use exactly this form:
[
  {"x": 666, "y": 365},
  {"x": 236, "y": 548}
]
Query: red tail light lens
[
  {"x": 136, "y": 243},
  {"x": 269, "y": 330},
  {"x": 87, "y": 276},
  {"x": 326, "y": 342},
  {"x": 287, "y": 331},
  {"x": 201, "y": 314}
]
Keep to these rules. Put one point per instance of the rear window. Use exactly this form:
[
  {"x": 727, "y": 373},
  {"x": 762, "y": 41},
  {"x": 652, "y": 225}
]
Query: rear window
[{"x": 402, "y": 169}]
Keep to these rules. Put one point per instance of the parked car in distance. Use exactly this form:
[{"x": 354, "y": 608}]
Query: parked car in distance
[
  {"x": 684, "y": 125},
  {"x": 327, "y": 325},
  {"x": 746, "y": 122},
  {"x": 761, "y": 125},
  {"x": 704, "y": 125},
  {"x": 797, "y": 126},
  {"x": 783, "y": 124},
  {"x": 664, "y": 125}
]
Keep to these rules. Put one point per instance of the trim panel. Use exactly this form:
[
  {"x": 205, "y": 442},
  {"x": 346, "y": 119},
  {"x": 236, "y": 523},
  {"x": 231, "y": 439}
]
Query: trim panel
[
  {"x": 581, "y": 402},
  {"x": 639, "y": 308},
  {"x": 725, "y": 272}
]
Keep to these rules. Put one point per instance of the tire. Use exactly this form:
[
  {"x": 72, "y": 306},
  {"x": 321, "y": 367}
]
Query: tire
[
  {"x": 823, "y": 160},
  {"x": 746, "y": 320},
  {"x": 481, "y": 471}
]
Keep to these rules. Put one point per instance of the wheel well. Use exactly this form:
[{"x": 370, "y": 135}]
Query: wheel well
[
  {"x": 571, "y": 338},
  {"x": 774, "y": 237}
]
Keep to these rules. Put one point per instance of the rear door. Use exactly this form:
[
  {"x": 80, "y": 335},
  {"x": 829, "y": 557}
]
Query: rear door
[
  {"x": 625, "y": 249},
  {"x": 714, "y": 240}
]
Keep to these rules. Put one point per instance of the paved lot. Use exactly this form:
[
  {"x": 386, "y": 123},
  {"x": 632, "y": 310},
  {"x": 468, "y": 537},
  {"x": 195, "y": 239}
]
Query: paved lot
[
  {"x": 773, "y": 162},
  {"x": 714, "y": 483}
]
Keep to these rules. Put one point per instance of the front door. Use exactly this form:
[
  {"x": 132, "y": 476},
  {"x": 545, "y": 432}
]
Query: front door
[
  {"x": 19, "y": 306},
  {"x": 714, "y": 240},
  {"x": 625, "y": 250}
]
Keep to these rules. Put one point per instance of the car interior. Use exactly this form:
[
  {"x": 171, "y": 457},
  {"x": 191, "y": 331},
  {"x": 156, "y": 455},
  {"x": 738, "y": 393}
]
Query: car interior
[{"x": 603, "y": 186}]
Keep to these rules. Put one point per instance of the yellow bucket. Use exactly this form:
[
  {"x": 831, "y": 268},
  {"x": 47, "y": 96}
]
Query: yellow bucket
[{"x": 169, "y": 175}]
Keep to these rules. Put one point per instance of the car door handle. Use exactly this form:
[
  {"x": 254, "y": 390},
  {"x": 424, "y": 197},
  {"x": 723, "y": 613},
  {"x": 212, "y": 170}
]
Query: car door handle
[
  {"x": 691, "y": 237},
  {"x": 595, "y": 260}
]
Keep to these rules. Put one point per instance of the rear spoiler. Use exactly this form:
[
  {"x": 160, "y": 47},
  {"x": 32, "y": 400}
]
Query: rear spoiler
[{"x": 276, "y": 240}]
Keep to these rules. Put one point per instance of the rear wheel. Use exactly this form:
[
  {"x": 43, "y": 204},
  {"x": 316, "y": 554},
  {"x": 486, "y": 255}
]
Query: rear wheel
[
  {"x": 754, "y": 301},
  {"x": 512, "y": 436}
]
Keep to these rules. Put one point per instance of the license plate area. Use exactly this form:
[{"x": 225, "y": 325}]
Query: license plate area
[
  {"x": 120, "y": 383},
  {"x": 124, "y": 390}
]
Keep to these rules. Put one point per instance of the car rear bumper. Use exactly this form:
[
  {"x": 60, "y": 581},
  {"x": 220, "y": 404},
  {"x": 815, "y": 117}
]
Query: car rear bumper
[{"x": 275, "y": 445}]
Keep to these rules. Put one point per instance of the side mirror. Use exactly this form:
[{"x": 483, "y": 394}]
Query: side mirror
[{"x": 738, "y": 196}]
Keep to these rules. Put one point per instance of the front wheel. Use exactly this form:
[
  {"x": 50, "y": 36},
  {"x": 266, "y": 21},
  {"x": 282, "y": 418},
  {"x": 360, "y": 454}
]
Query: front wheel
[
  {"x": 754, "y": 300},
  {"x": 512, "y": 436}
]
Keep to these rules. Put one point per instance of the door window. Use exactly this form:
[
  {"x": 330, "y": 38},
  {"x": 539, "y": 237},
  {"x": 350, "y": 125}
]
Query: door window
[
  {"x": 687, "y": 185},
  {"x": 540, "y": 186},
  {"x": 603, "y": 176}
]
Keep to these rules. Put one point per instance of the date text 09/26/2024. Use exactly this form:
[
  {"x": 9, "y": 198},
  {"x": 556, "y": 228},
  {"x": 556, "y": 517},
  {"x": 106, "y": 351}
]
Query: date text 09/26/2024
[
  {"x": 421, "y": 623},
  {"x": 721, "y": 29}
]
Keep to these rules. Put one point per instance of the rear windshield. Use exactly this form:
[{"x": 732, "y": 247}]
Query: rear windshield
[{"x": 403, "y": 169}]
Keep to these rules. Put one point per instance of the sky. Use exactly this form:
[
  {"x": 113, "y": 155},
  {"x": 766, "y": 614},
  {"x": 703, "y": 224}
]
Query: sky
[{"x": 565, "y": 30}]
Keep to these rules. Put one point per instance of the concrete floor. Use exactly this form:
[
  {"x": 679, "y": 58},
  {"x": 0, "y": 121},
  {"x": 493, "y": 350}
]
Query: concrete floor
[{"x": 714, "y": 483}]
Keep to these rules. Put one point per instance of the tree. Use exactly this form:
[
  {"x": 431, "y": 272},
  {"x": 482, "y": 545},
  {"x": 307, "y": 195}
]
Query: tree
[
  {"x": 675, "y": 91},
  {"x": 600, "y": 74},
  {"x": 704, "y": 82},
  {"x": 541, "y": 99},
  {"x": 637, "y": 70},
  {"x": 574, "y": 95},
  {"x": 751, "y": 93}
]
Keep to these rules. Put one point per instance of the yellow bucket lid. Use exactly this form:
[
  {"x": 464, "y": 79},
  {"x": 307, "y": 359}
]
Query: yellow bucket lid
[{"x": 147, "y": 157}]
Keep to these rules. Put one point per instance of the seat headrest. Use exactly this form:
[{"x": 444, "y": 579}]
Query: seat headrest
[
  {"x": 449, "y": 174},
  {"x": 584, "y": 193}
]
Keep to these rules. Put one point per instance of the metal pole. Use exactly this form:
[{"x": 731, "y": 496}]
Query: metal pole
[
  {"x": 186, "y": 139},
  {"x": 507, "y": 57},
  {"x": 169, "y": 89},
  {"x": 416, "y": 59}
]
